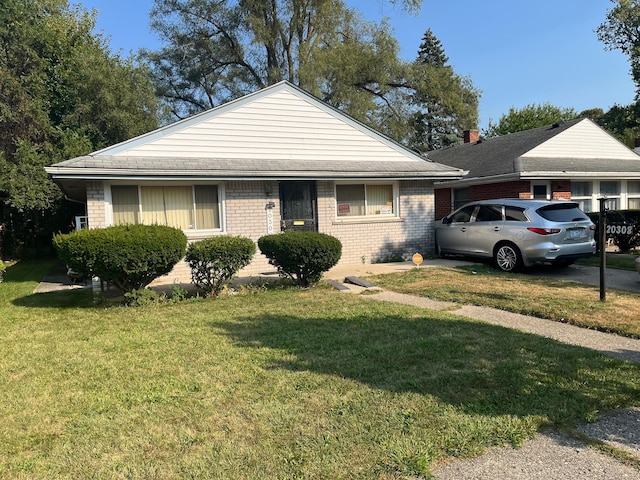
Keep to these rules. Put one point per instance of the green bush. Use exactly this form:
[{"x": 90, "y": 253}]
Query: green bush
[
  {"x": 129, "y": 257},
  {"x": 300, "y": 255},
  {"x": 216, "y": 260},
  {"x": 3, "y": 267}
]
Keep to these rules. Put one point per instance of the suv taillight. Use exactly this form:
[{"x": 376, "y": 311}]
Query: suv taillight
[{"x": 543, "y": 231}]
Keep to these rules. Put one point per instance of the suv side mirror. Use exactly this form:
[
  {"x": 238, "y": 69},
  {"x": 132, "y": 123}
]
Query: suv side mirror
[{"x": 446, "y": 220}]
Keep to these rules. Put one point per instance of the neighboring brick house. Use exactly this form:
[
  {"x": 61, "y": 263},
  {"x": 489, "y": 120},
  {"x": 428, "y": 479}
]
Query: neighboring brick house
[
  {"x": 275, "y": 160},
  {"x": 574, "y": 160}
]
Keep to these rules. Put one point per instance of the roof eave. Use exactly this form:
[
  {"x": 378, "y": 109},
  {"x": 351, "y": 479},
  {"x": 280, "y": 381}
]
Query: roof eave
[{"x": 73, "y": 174}]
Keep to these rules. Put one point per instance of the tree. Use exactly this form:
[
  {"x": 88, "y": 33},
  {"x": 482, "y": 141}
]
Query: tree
[
  {"x": 621, "y": 31},
  {"x": 623, "y": 121},
  {"x": 216, "y": 51},
  {"x": 446, "y": 105},
  {"x": 62, "y": 94},
  {"x": 530, "y": 116}
]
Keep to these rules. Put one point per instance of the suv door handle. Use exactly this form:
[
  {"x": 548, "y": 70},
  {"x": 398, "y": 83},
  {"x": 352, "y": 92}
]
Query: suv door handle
[{"x": 496, "y": 229}]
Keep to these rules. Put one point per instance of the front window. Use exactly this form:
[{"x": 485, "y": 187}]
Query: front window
[
  {"x": 633, "y": 194},
  {"x": 612, "y": 192},
  {"x": 364, "y": 200},
  {"x": 581, "y": 192},
  {"x": 191, "y": 207}
]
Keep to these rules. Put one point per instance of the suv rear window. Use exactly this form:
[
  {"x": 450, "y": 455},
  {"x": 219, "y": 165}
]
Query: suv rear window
[{"x": 562, "y": 212}]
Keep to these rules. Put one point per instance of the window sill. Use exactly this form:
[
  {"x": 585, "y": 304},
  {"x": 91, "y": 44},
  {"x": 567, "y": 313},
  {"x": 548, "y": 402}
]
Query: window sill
[
  {"x": 350, "y": 221},
  {"x": 194, "y": 235}
]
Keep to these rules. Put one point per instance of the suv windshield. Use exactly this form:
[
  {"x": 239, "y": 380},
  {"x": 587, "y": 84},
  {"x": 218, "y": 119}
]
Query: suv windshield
[{"x": 562, "y": 212}]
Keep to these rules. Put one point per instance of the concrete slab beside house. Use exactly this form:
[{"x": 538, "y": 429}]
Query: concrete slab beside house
[
  {"x": 574, "y": 160},
  {"x": 276, "y": 160}
]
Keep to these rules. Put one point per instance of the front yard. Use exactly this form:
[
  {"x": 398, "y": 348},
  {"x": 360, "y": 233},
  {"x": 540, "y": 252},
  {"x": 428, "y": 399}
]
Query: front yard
[
  {"x": 274, "y": 384},
  {"x": 559, "y": 300}
]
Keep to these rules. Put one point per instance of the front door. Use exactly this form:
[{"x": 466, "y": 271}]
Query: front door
[{"x": 298, "y": 206}]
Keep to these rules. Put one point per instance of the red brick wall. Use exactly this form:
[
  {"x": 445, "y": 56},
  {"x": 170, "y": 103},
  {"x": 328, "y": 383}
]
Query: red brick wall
[
  {"x": 560, "y": 189},
  {"x": 516, "y": 189},
  {"x": 443, "y": 202}
]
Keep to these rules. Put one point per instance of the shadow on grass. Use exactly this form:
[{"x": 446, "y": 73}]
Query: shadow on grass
[
  {"x": 482, "y": 369},
  {"x": 22, "y": 278},
  {"x": 80, "y": 298}
]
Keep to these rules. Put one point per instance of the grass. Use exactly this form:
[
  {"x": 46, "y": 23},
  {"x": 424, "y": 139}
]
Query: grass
[
  {"x": 614, "y": 260},
  {"x": 274, "y": 384},
  {"x": 559, "y": 300}
]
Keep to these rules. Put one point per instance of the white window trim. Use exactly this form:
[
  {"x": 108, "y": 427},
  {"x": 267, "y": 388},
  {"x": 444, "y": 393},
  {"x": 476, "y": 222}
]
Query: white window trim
[
  {"x": 368, "y": 218},
  {"x": 627, "y": 195},
  {"x": 597, "y": 193},
  {"x": 190, "y": 233},
  {"x": 546, "y": 184}
]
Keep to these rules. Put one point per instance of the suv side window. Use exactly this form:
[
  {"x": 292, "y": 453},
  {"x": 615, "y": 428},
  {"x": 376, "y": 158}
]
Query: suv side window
[
  {"x": 489, "y": 213},
  {"x": 464, "y": 215},
  {"x": 515, "y": 214}
]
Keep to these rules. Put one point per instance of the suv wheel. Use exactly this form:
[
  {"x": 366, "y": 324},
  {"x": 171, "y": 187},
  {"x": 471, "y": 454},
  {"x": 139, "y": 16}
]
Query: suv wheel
[{"x": 508, "y": 258}]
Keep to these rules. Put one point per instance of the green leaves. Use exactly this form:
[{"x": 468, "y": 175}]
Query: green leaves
[{"x": 214, "y": 261}]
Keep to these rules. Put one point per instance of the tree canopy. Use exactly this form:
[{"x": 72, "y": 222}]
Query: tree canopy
[
  {"x": 216, "y": 51},
  {"x": 445, "y": 105},
  {"x": 621, "y": 31},
  {"x": 62, "y": 94},
  {"x": 528, "y": 117}
]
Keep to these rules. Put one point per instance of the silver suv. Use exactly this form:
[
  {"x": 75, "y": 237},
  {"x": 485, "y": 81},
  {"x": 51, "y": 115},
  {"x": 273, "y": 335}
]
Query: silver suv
[{"x": 517, "y": 233}]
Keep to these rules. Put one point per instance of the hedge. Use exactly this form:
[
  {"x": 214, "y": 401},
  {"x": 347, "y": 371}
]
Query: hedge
[
  {"x": 129, "y": 257},
  {"x": 216, "y": 260},
  {"x": 301, "y": 256}
]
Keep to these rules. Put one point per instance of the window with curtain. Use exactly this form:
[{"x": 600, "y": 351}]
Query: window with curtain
[
  {"x": 581, "y": 192},
  {"x": 185, "y": 207},
  {"x": 633, "y": 194},
  {"x": 357, "y": 200},
  {"x": 126, "y": 208},
  {"x": 612, "y": 190}
]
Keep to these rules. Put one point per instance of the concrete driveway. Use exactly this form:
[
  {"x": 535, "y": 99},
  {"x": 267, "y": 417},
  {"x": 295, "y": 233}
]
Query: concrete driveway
[{"x": 614, "y": 278}]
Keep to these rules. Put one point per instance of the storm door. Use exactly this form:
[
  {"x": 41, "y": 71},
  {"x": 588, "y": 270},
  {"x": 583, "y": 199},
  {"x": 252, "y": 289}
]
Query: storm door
[{"x": 298, "y": 206}]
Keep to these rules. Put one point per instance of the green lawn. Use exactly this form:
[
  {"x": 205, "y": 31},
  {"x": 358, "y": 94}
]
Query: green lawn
[
  {"x": 274, "y": 384},
  {"x": 563, "y": 301}
]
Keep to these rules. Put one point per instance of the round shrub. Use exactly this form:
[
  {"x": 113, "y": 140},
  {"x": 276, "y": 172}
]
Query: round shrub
[
  {"x": 216, "y": 260},
  {"x": 128, "y": 256},
  {"x": 300, "y": 255}
]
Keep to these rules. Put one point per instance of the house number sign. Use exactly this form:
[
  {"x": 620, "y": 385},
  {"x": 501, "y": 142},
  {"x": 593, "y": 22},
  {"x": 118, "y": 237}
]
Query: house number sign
[
  {"x": 269, "y": 211},
  {"x": 619, "y": 229}
]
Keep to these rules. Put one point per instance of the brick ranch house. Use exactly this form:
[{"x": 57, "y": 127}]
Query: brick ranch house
[
  {"x": 276, "y": 160},
  {"x": 574, "y": 160}
]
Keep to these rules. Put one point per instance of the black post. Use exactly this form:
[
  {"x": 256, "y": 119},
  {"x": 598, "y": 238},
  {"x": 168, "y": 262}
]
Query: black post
[{"x": 602, "y": 234}]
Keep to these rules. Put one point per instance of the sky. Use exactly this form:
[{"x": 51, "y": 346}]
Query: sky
[{"x": 517, "y": 53}]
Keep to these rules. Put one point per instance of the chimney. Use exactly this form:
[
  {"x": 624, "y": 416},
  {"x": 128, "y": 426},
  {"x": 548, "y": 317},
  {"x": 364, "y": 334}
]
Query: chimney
[{"x": 471, "y": 136}]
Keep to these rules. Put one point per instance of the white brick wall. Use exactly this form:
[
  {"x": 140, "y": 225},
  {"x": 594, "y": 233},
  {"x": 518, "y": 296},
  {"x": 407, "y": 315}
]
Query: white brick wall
[
  {"x": 245, "y": 214},
  {"x": 372, "y": 241}
]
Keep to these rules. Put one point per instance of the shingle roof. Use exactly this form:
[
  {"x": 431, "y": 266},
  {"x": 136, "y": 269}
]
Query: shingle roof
[
  {"x": 575, "y": 149},
  {"x": 102, "y": 166},
  {"x": 498, "y": 155}
]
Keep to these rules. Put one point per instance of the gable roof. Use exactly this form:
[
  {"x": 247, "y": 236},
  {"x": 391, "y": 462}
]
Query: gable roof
[
  {"x": 279, "y": 132},
  {"x": 574, "y": 149}
]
